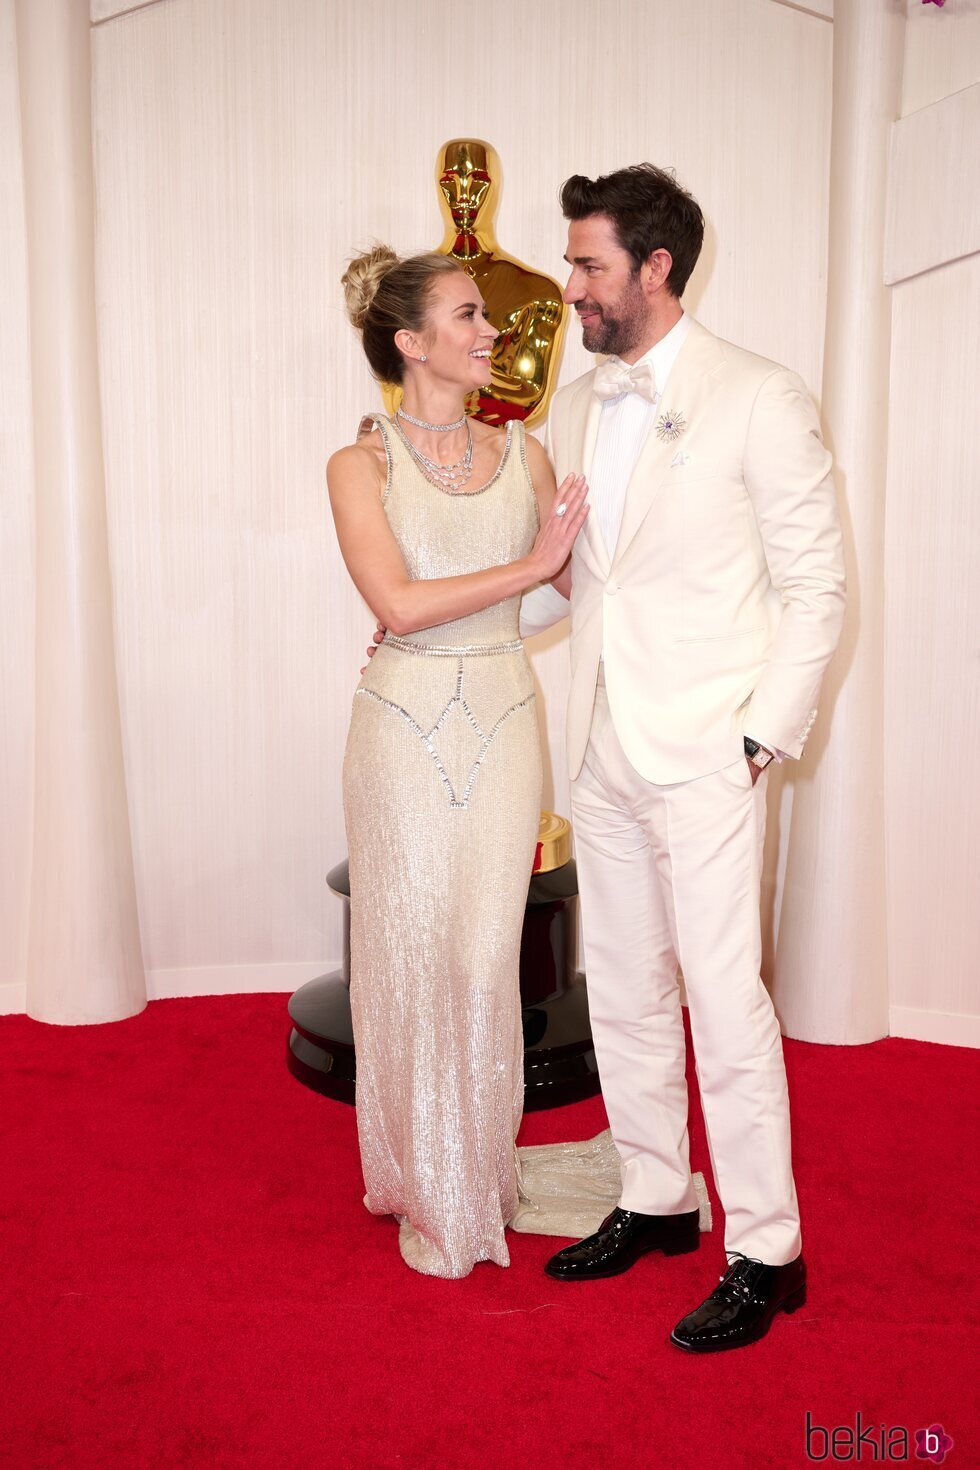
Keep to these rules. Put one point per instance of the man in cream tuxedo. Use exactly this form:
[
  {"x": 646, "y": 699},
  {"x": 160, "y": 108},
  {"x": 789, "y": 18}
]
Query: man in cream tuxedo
[{"x": 706, "y": 599}]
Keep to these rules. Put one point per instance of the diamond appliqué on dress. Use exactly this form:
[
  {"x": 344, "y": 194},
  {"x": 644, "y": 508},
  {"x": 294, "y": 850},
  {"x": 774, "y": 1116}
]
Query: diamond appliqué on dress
[{"x": 456, "y": 705}]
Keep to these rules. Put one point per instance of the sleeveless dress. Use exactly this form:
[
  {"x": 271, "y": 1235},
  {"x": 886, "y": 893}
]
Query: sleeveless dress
[{"x": 442, "y": 790}]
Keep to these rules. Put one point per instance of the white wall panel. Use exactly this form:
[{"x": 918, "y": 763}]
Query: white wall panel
[
  {"x": 822, "y": 8},
  {"x": 932, "y": 707},
  {"x": 102, "y": 10},
  {"x": 16, "y": 540},
  {"x": 244, "y": 148},
  {"x": 934, "y": 186},
  {"x": 942, "y": 51},
  {"x": 932, "y": 541}
]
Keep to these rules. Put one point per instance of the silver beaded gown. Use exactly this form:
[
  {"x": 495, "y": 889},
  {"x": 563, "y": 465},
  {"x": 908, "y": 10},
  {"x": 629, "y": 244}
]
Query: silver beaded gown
[{"x": 442, "y": 789}]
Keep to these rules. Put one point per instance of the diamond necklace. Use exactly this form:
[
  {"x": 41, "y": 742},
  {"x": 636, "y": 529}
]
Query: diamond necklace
[
  {"x": 436, "y": 428},
  {"x": 448, "y": 477}
]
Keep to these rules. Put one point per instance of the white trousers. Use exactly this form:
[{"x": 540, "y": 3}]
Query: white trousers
[{"x": 671, "y": 874}]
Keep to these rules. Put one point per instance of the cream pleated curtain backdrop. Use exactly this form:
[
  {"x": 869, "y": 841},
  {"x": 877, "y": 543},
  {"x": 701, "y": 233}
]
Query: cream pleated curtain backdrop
[
  {"x": 16, "y": 540},
  {"x": 83, "y": 958},
  {"x": 242, "y": 149},
  {"x": 830, "y": 981}
]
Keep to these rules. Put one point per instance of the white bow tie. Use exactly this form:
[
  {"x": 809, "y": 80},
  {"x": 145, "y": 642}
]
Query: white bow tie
[{"x": 613, "y": 378}]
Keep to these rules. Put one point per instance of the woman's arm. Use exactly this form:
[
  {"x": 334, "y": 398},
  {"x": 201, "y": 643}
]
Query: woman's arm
[
  {"x": 378, "y": 571},
  {"x": 543, "y": 480},
  {"x": 563, "y": 582}
]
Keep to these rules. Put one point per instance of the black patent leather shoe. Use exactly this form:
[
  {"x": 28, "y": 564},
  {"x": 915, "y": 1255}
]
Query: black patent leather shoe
[
  {"x": 741, "y": 1307},
  {"x": 622, "y": 1238}
]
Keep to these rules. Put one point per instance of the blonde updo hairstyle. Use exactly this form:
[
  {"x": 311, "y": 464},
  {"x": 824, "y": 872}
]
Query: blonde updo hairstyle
[{"x": 385, "y": 295}]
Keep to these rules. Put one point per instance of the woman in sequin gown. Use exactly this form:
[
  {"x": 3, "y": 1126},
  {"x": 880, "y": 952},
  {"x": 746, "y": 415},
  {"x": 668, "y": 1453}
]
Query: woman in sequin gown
[{"x": 442, "y": 770}]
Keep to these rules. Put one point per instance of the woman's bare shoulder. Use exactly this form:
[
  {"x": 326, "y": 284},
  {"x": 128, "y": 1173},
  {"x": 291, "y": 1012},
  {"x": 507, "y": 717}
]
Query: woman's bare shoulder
[
  {"x": 535, "y": 451},
  {"x": 363, "y": 462}
]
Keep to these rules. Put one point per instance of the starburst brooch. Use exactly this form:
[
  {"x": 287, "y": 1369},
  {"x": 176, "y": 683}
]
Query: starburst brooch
[{"x": 671, "y": 426}]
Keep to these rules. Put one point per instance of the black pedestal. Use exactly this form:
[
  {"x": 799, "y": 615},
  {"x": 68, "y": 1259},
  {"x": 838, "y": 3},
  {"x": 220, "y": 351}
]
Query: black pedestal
[{"x": 559, "y": 1062}]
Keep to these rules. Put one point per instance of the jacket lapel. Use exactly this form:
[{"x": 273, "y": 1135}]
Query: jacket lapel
[{"x": 690, "y": 386}]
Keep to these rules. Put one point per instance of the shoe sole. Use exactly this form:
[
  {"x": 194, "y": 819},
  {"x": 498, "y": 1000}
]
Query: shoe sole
[
  {"x": 680, "y": 1249},
  {"x": 792, "y": 1303}
]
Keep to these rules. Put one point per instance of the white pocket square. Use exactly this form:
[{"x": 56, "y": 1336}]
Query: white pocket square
[{"x": 679, "y": 458}]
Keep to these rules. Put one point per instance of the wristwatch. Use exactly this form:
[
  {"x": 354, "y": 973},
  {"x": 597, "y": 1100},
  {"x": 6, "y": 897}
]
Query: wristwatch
[{"x": 757, "y": 753}]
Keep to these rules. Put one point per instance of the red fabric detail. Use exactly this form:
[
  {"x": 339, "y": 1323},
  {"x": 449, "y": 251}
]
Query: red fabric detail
[{"x": 189, "y": 1277}]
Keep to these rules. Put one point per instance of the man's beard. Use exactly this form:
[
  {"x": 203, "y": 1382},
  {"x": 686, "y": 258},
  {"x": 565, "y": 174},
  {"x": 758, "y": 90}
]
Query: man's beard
[{"x": 621, "y": 328}]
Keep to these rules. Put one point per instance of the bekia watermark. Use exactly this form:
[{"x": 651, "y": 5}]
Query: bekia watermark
[{"x": 879, "y": 1442}]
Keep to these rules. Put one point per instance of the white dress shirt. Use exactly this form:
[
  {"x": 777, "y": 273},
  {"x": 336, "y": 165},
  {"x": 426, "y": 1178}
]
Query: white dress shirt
[{"x": 625, "y": 424}]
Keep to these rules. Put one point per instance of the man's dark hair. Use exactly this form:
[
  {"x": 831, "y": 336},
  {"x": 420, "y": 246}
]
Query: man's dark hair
[{"x": 650, "y": 211}]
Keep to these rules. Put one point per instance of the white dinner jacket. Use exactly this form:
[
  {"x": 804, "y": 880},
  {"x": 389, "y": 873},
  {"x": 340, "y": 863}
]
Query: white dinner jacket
[{"x": 722, "y": 603}]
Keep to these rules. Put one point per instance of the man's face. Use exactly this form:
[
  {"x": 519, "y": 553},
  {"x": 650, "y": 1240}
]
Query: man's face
[{"x": 604, "y": 287}]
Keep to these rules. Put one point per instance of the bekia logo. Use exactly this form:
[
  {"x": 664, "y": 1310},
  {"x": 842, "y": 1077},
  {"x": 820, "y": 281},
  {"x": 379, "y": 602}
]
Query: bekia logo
[
  {"x": 932, "y": 1444},
  {"x": 844, "y": 1443}
]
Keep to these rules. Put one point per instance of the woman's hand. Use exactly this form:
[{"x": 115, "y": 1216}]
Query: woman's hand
[
  {"x": 379, "y": 637},
  {"x": 553, "y": 543}
]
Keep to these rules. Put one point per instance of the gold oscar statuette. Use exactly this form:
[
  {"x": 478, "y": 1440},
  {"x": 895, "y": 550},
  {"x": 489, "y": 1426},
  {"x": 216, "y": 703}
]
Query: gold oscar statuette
[{"x": 525, "y": 306}]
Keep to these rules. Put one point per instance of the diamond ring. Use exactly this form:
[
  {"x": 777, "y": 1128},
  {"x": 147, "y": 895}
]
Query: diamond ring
[{"x": 561, "y": 509}]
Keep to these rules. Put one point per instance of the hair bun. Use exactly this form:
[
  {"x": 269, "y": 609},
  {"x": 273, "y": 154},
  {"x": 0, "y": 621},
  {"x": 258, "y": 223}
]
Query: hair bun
[{"x": 362, "y": 278}]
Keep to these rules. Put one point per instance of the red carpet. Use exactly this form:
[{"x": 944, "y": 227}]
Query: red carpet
[{"x": 189, "y": 1277}]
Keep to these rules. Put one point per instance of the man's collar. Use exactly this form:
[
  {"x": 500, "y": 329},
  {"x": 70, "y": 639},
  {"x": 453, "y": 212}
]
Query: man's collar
[{"x": 663, "y": 354}]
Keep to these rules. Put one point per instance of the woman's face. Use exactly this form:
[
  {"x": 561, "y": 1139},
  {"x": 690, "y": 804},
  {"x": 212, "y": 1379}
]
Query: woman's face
[{"x": 457, "y": 338}]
